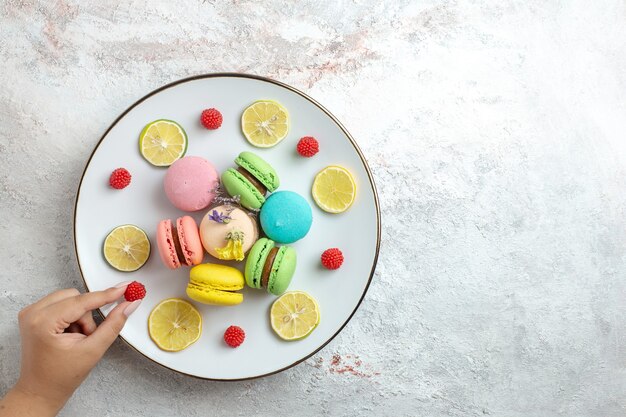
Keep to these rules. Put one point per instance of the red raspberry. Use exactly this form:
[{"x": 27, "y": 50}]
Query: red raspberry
[
  {"x": 211, "y": 119},
  {"x": 120, "y": 178},
  {"x": 308, "y": 146},
  {"x": 135, "y": 291},
  {"x": 234, "y": 336},
  {"x": 332, "y": 258}
]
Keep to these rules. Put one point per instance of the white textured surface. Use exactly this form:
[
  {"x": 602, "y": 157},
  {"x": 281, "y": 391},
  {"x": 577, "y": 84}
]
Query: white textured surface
[{"x": 495, "y": 130}]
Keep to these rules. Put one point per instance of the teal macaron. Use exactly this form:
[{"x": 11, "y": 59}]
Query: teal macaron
[
  {"x": 286, "y": 217},
  {"x": 270, "y": 266},
  {"x": 253, "y": 178}
]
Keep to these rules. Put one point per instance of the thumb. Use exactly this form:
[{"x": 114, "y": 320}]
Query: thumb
[{"x": 104, "y": 336}]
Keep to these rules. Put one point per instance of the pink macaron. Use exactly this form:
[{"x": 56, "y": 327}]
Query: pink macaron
[
  {"x": 180, "y": 244},
  {"x": 190, "y": 183}
]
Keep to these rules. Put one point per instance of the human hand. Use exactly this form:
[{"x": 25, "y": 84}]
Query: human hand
[{"x": 60, "y": 345}]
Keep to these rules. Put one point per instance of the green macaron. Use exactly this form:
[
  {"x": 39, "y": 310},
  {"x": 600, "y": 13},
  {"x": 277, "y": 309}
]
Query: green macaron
[
  {"x": 238, "y": 185},
  {"x": 251, "y": 180},
  {"x": 261, "y": 170},
  {"x": 256, "y": 260},
  {"x": 270, "y": 267}
]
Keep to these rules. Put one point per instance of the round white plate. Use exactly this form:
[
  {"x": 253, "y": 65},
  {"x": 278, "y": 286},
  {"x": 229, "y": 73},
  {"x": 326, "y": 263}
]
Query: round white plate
[{"x": 356, "y": 232}]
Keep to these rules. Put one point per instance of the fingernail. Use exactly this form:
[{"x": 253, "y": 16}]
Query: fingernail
[
  {"x": 122, "y": 284},
  {"x": 131, "y": 307}
]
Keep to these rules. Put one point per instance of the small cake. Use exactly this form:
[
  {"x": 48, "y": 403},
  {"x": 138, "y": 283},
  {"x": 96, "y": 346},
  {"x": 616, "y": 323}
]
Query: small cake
[
  {"x": 253, "y": 178},
  {"x": 215, "y": 284},
  {"x": 179, "y": 242},
  {"x": 286, "y": 217},
  {"x": 191, "y": 183},
  {"x": 270, "y": 267},
  {"x": 228, "y": 232}
]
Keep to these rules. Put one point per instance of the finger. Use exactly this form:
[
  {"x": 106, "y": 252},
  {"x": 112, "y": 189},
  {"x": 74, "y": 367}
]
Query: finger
[
  {"x": 55, "y": 297},
  {"x": 71, "y": 309},
  {"x": 111, "y": 327},
  {"x": 73, "y": 328},
  {"x": 87, "y": 324}
]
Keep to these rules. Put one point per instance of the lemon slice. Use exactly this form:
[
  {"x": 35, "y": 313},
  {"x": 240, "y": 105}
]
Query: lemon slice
[
  {"x": 334, "y": 189},
  {"x": 126, "y": 248},
  {"x": 174, "y": 324},
  {"x": 162, "y": 142},
  {"x": 294, "y": 315},
  {"x": 265, "y": 123}
]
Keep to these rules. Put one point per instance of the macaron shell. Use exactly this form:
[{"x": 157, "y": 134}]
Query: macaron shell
[
  {"x": 213, "y": 234},
  {"x": 165, "y": 244},
  {"x": 190, "y": 183},
  {"x": 286, "y": 217},
  {"x": 282, "y": 270},
  {"x": 215, "y": 276},
  {"x": 237, "y": 184},
  {"x": 189, "y": 239},
  {"x": 260, "y": 169},
  {"x": 256, "y": 261},
  {"x": 212, "y": 296},
  {"x": 213, "y": 283}
]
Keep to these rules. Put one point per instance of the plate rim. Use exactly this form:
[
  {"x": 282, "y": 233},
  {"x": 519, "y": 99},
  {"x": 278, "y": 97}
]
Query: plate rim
[{"x": 370, "y": 178}]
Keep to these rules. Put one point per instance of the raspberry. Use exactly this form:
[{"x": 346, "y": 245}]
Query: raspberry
[
  {"x": 211, "y": 119},
  {"x": 234, "y": 336},
  {"x": 135, "y": 291},
  {"x": 120, "y": 178},
  {"x": 332, "y": 258},
  {"x": 308, "y": 146}
]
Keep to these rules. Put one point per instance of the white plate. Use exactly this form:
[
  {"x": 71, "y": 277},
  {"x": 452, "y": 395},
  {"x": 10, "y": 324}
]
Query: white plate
[{"x": 356, "y": 232}]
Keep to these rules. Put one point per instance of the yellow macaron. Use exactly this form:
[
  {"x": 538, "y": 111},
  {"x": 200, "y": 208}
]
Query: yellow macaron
[{"x": 215, "y": 284}]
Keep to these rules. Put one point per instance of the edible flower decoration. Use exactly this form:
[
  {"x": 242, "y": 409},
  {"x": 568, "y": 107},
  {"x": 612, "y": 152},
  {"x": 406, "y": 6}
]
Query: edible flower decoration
[
  {"x": 222, "y": 197},
  {"x": 219, "y": 217},
  {"x": 233, "y": 248}
]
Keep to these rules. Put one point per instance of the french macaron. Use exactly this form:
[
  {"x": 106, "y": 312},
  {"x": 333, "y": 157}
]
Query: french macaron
[
  {"x": 270, "y": 267},
  {"x": 215, "y": 284},
  {"x": 251, "y": 180},
  {"x": 227, "y": 232},
  {"x": 191, "y": 183},
  {"x": 286, "y": 217},
  {"x": 179, "y": 243}
]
